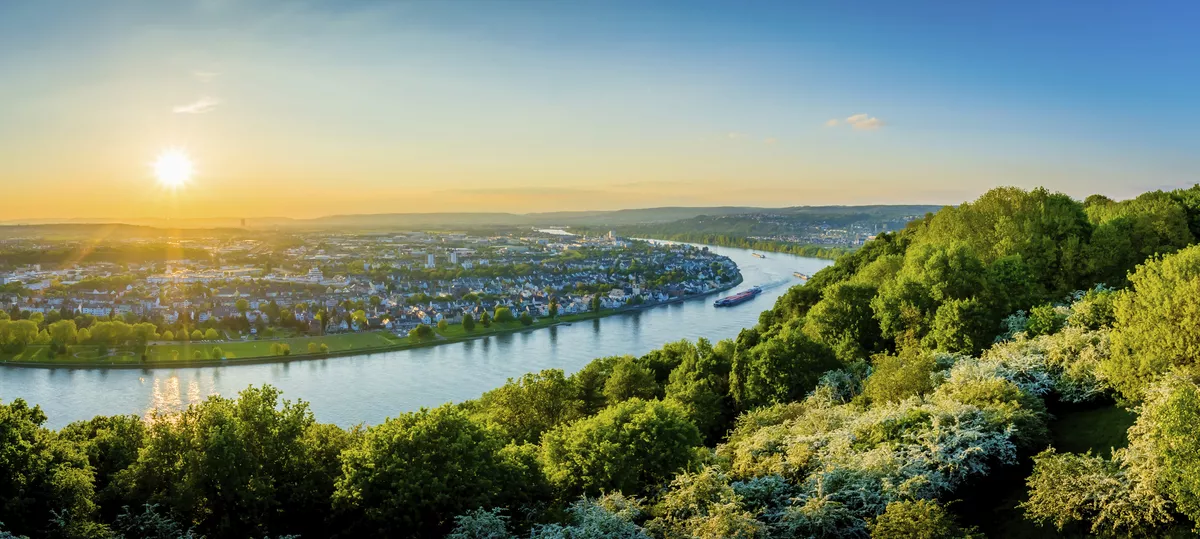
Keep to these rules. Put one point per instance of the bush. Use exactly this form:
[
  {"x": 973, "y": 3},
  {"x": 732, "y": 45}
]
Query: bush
[
  {"x": 918, "y": 519},
  {"x": 526, "y": 319},
  {"x": 503, "y": 315}
]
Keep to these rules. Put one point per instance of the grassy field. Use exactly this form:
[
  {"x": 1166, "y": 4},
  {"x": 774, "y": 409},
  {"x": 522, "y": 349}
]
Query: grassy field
[
  {"x": 184, "y": 351},
  {"x": 204, "y": 350}
]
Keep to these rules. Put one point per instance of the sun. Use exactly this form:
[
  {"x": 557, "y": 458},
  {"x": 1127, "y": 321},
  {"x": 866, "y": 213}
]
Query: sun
[{"x": 173, "y": 168}]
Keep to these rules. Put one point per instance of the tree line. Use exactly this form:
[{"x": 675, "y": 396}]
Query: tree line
[{"x": 863, "y": 404}]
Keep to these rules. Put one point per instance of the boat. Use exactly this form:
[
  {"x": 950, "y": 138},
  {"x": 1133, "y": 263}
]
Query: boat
[
  {"x": 760, "y": 255},
  {"x": 740, "y": 297},
  {"x": 801, "y": 276}
]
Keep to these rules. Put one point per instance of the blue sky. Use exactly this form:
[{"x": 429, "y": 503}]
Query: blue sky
[{"x": 311, "y": 108}]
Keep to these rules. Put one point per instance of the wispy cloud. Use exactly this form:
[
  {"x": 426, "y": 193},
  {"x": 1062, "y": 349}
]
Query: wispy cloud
[
  {"x": 862, "y": 122},
  {"x": 199, "y": 106},
  {"x": 737, "y": 135}
]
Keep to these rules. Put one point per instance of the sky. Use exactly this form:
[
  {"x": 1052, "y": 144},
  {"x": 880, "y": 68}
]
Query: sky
[{"x": 310, "y": 108}]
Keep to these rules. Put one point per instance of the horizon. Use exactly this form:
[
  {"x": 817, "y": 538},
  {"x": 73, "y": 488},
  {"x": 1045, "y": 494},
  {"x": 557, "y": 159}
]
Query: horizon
[{"x": 313, "y": 109}]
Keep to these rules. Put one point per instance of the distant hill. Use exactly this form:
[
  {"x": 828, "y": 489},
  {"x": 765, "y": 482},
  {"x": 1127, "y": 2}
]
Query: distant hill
[{"x": 408, "y": 221}]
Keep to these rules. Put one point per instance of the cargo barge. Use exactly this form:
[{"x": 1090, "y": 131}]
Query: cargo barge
[{"x": 740, "y": 297}]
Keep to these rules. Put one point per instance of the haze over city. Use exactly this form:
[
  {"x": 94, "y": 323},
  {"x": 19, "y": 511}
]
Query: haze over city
[{"x": 306, "y": 109}]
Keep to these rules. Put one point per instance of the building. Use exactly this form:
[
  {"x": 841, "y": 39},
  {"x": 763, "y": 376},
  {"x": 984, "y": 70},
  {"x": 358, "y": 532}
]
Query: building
[
  {"x": 453, "y": 257},
  {"x": 429, "y": 260},
  {"x": 315, "y": 275}
]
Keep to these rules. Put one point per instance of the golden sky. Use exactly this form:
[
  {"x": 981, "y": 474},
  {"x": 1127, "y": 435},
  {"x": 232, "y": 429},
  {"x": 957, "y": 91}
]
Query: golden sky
[{"x": 301, "y": 110}]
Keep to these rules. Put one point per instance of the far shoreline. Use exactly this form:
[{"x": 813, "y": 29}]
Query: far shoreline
[{"x": 259, "y": 360}]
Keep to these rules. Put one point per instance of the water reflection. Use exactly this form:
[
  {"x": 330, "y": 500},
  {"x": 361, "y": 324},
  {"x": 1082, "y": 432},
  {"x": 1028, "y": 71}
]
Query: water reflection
[{"x": 350, "y": 390}]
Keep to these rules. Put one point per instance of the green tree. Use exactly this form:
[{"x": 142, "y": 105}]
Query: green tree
[
  {"x": 503, "y": 315},
  {"x": 896, "y": 377},
  {"x": 553, "y": 309},
  {"x": 443, "y": 324},
  {"x": 1157, "y": 323},
  {"x": 700, "y": 384},
  {"x": 526, "y": 319},
  {"x": 111, "y": 444},
  {"x": 409, "y": 476},
  {"x": 485, "y": 319},
  {"x": 196, "y": 335},
  {"x": 844, "y": 321},
  {"x": 963, "y": 326},
  {"x": 252, "y": 465},
  {"x": 40, "y": 473},
  {"x": 780, "y": 369},
  {"x": 421, "y": 333},
  {"x": 1044, "y": 320},
  {"x": 525, "y": 407},
  {"x": 468, "y": 322},
  {"x": 631, "y": 447},
  {"x": 629, "y": 379}
]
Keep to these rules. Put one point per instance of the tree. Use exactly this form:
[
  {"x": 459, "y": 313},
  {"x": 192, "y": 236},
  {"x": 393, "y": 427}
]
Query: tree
[
  {"x": 700, "y": 383},
  {"x": 526, "y": 319},
  {"x": 503, "y": 315},
  {"x": 485, "y": 319},
  {"x": 63, "y": 333},
  {"x": 242, "y": 306},
  {"x": 596, "y": 303},
  {"x": 211, "y": 335},
  {"x": 525, "y": 407},
  {"x": 631, "y": 447},
  {"x": 168, "y": 336},
  {"x": 780, "y": 369},
  {"x": 217, "y": 353},
  {"x": 42, "y": 473},
  {"x": 409, "y": 476},
  {"x": 919, "y": 519},
  {"x": 629, "y": 379},
  {"x": 468, "y": 322},
  {"x": 421, "y": 333},
  {"x": 313, "y": 348},
  {"x": 111, "y": 444},
  {"x": 1157, "y": 323},
  {"x": 844, "y": 321},
  {"x": 896, "y": 377},
  {"x": 1044, "y": 320},
  {"x": 443, "y": 324},
  {"x": 553, "y": 309},
  {"x": 196, "y": 335},
  {"x": 252, "y": 465}
]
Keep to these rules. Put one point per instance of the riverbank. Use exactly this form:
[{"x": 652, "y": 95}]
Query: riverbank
[
  {"x": 824, "y": 252},
  {"x": 183, "y": 355}
]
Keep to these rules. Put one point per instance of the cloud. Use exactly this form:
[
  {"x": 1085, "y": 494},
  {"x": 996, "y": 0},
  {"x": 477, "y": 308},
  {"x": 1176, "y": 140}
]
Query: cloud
[
  {"x": 737, "y": 135},
  {"x": 864, "y": 122},
  {"x": 199, "y": 106},
  {"x": 204, "y": 76}
]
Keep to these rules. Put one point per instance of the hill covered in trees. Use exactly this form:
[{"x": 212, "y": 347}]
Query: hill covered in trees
[{"x": 883, "y": 399}]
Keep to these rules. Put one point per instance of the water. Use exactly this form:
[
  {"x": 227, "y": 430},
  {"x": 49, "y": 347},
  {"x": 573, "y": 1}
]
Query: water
[{"x": 373, "y": 387}]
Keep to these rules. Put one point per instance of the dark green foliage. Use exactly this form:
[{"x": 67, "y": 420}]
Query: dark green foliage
[
  {"x": 781, "y": 369},
  {"x": 629, "y": 379},
  {"x": 1044, "y": 320},
  {"x": 844, "y": 321},
  {"x": 410, "y": 476},
  {"x": 631, "y": 447},
  {"x": 526, "y": 407},
  {"x": 700, "y": 384},
  {"x": 111, "y": 444},
  {"x": 257, "y": 464},
  {"x": 40, "y": 473},
  {"x": 503, "y": 315}
]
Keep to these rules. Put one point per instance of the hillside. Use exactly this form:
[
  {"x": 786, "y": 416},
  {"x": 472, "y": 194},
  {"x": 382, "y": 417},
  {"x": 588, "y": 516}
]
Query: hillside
[{"x": 968, "y": 375}]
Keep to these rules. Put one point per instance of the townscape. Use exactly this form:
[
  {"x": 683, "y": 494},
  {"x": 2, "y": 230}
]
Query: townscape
[{"x": 398, "y": 285}]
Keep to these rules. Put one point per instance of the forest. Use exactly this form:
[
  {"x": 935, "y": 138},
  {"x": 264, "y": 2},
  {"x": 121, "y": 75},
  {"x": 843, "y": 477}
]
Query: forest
[{"x": 886, "y": 398}]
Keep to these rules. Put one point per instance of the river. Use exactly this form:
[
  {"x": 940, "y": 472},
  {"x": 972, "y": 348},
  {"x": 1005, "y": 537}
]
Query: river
[{"x": 370, "y": 388}]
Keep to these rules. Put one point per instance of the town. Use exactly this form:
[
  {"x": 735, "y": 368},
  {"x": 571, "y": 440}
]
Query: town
[{"x": 404, "y": 288}]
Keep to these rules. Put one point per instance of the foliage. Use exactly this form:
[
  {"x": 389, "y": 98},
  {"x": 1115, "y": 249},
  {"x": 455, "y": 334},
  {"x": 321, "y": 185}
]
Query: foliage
[
  {"x": 631, "y": 447},
  {"x": 918, "y": 519},
  {"x": 1157, "y": 324},
  {"x": 895, "y": 378},
  {"x": 411, "y": 475},
  {"x": 526, "y": 407},
  {"x": 777, "y": 370}
]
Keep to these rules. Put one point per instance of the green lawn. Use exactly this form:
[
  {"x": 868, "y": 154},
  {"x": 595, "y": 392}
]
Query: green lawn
[{"x": 187, "y": 350}]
